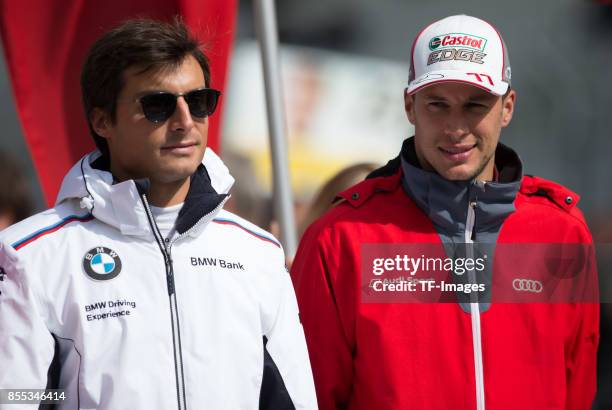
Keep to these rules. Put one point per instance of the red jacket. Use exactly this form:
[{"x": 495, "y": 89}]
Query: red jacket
[{"x": 420, "y": 356}]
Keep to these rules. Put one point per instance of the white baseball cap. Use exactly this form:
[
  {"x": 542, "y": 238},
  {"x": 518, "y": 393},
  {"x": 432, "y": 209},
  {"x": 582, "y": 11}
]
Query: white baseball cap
[{"x": 460, "y": 49}]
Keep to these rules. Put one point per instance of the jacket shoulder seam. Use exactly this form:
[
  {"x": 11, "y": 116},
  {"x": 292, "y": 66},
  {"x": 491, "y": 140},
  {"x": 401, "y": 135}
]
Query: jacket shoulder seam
[
  {"x": 49, "y": 229},
  {"x": 374, "y": 190},
  {"x": 249, "y": 230},
  {"x": 561, "y": 211}
]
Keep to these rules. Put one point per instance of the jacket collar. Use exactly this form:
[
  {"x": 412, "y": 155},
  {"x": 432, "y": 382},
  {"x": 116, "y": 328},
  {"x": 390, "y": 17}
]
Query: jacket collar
[
  {"x": 119, "y": 204},
  {"x": 446, "y": 202}
]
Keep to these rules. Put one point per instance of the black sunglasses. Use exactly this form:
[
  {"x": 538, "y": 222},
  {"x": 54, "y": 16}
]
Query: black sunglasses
[{"x": 159, "y": 106}]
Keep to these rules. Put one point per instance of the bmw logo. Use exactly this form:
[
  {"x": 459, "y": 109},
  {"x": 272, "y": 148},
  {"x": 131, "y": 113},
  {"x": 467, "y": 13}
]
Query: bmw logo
[{"x": 102, "y": 263}]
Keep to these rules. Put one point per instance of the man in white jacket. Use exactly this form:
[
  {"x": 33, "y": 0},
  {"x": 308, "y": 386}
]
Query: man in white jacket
[{"x": 137, "y": 290}]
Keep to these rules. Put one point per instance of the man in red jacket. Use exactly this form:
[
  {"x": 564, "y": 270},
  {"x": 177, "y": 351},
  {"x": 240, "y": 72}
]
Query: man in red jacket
[{"x": 449, "y": 279}]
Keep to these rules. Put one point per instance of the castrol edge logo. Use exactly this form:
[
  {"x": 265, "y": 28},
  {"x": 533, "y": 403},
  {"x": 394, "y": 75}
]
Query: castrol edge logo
[{"x": 457, "y": 39}]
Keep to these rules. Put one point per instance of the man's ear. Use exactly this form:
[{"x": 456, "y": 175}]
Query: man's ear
[
  {"x": 100, "y": 122},
  {"x": 508, "y": 107},
  {"x": 409, "y": 106}
]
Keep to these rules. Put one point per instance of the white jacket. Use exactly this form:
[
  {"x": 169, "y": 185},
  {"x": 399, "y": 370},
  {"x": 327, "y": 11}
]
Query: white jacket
[{"x": 94, "y": 302}]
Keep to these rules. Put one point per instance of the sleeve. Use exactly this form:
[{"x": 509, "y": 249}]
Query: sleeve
[
  {"x": 322, "y": 311},
  {"x": 287, "y": 379},
  {"x": 581, "y": 365},
  {"x": 26, "y": 345},
  {"x": 581, "y": 362}
]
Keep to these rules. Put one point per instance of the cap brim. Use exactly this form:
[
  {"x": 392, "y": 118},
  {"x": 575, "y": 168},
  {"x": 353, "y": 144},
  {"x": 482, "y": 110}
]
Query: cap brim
[{"x": 483, "y": 81}]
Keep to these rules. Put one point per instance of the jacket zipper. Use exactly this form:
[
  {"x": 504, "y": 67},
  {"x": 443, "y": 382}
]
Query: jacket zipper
[
  {"x": 176, "y": 333},
  {"x": 475, "y": 310},
  {"x": 197, "y": 224},
  {"x": 166, "y": 251}
]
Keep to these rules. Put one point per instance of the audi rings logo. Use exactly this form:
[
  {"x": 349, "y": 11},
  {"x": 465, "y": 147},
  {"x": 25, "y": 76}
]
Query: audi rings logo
[{"x": 527, "y": 285}]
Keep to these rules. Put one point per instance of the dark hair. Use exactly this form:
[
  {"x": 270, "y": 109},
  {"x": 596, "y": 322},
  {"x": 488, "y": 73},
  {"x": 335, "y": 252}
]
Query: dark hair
[{"x": 144, "y": 43}]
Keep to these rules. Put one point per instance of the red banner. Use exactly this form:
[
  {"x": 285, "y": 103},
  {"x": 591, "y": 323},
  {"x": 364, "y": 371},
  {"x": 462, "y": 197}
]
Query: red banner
[{"x": 45, "y": 44}]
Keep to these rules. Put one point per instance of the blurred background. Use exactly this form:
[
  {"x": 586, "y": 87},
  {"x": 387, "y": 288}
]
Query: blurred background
[{"x": 345, "y": 65}]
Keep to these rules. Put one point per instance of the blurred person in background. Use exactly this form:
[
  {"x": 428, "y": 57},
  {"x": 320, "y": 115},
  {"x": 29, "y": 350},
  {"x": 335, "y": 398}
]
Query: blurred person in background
[
  {"x": 325, "y": 198},
  {"x": 453, "y": 186},
  {"x": 248, "y": 199},
  {"x": 138, "y": 290},
  {"x": 16, "y": 201}
]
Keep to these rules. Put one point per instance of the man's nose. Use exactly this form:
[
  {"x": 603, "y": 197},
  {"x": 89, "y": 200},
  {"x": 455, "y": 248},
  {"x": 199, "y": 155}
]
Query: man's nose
[
  {"x": 181, "y": 118},
  {"x": 456, "y": 125}
]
